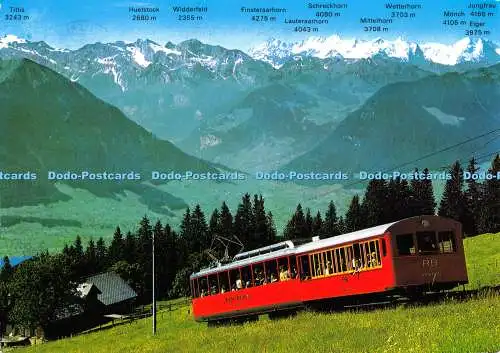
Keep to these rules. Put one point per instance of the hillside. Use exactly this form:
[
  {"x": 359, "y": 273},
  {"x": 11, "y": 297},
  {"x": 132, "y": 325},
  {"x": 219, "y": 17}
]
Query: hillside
[
  {"x": 451, "y": 326},
  {"x": 407, "y": 120},
  {"x": 49, "y": 123}
]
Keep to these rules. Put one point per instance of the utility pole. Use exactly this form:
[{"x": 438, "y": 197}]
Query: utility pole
[{"x": 154, "y": 289}]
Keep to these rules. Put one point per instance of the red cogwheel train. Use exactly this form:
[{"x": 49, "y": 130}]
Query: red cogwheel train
[{"x": 410, "y": 256}]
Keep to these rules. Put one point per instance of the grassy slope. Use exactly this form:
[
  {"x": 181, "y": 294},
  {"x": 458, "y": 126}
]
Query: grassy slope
[
  {"x": 483, "y": 260},
  {"x": 450, "y": 327}
]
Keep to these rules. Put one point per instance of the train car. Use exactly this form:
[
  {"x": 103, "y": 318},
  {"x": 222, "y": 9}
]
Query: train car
[{"x": 409, "y": 256}]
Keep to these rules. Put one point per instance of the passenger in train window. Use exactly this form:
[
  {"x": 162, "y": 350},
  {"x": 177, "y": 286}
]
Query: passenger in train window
[
  {"x": 222, "y": 289},
  {"x": 283, "y": 274},
  {"x": 374, "y": 259},
  {"x": 203, "y": 293},
  {"x": 213, "y": 289},
  {"x": 258, "y": 277},
  {"x": 356, "y": 264},
  {"x": 328, "y": 269},
  {"x": 239, "y": 283},
  {"x": 293, "y": 272},
  {"x": 273, "y": 278}
]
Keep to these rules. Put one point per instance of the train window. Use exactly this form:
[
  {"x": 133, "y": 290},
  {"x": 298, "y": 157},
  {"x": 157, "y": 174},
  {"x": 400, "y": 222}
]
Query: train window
[
  {"x": 283, "y": 269},
  {"x": 356, "y": 263},
  {"x": 293, "y": 267},
  {"x": 384, "y": 248},
  {"x": 204, "y": 287},
  {"x": 246, "y": 276},
  {"x": 305, "y": 267},
  {"x": 213, "y": 284},
  {"x": 374, "y": 247},
  {"x": 196, "y": 292},
  {"x": 405, "y": 244},
  {"x": 446, "y": 241},
  {"x": 271, "y": 271},
  {"x": 316, "y": 264},
  {"x": 328, "y": 263},
  {"x": 235, "y": 280},
  {"x": 258, "y": 274},
  {"x": 224, "y": 282},
  {"x": 426, "y": 242},
  {"x": 343, "y": 264},
  {"x": 349, "y": 257},
  {"x": 339, "y": 257}
]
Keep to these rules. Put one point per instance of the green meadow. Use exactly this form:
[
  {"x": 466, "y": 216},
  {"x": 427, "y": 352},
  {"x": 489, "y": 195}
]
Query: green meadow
[{"x": 470, "y": 326}]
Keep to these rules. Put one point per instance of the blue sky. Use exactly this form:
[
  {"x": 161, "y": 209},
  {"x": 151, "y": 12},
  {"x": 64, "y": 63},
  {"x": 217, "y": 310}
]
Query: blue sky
[{"x": 71, "y": 24}]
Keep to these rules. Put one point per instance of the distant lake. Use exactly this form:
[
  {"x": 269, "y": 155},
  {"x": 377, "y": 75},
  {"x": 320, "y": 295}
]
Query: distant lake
[{"x": 14, "y": 260}]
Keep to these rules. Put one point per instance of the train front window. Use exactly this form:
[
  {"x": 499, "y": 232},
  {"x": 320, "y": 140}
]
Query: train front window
[
  {"x": 426, "y": 242},
  {"x": 446, "y": 242},
  {"x": 196, "y": 290},
  {"x": 213, "y": 283},
  {"x": 204, "y": 287},
  {"x": 305, "y": 268},
  {"x": 405, "y": 244}
]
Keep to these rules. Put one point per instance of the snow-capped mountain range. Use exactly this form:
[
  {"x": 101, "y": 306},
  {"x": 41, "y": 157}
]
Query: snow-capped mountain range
[{"x": 277, "y": 52}]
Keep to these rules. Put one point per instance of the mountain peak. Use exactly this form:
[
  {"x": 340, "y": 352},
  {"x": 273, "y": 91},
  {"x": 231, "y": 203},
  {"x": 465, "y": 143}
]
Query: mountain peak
[
  {"x": 9, "y": 39},
  {"x": 277, "y": 52}
]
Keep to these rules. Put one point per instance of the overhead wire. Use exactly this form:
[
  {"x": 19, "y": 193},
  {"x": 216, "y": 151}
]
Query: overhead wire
[{"x": 445, "y": 149}]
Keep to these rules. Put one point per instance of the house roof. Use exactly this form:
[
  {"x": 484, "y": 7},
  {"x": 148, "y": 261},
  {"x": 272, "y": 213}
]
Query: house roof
[
  {"x": 84, "y": 289},
  {"x": 113, "y": 289}
]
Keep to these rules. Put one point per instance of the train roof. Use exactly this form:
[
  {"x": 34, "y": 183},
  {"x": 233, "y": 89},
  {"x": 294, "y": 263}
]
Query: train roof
[
  {"x": 345, "y": 238},
  {"x": 293, "y": 247}
]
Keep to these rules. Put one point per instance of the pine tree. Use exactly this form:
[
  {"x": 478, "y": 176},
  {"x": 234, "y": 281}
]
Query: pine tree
[
  {"x": 272, "y": 235},
  {"x": 244, "y": 223},
  {"x": 308, "y": 223},
  {"x": 116, "y": 248},
  {"x": 472, "y": 201},
  {"x": 398, "y": 199},
  {"x": 428, "y": 201},
  {"x": 78, "y": 247},
  {"x": 317, "y": 225},
  {"x": 452, "y": 204},
  {"x": 130, "y": 248},
  {"x": 330, "y": 225},
  {"x": 199, "y": 231},
  {"x": 341, "y": 226},
  {"x": 375, "y": 203},
  {"x": 213, "y": 224},
  {"x": 260, "y": 237},
  {"x": 226, "y": 221},
  {"x": 145, "y": 249},
  {"x": 354, "y": 219},
  {"x": 296, "y": 227},
  {"x": 101, "y": 255},
  {"x": 171, "y": 256},
  {"x": 91, "y": 258},
  {"x": 422, "y": 200},
  {"x": 490, "y": 214}
]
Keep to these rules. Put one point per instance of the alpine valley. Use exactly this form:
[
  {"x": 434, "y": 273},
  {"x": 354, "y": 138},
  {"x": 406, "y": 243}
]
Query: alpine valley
[{"x": 323, "y": 104}]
